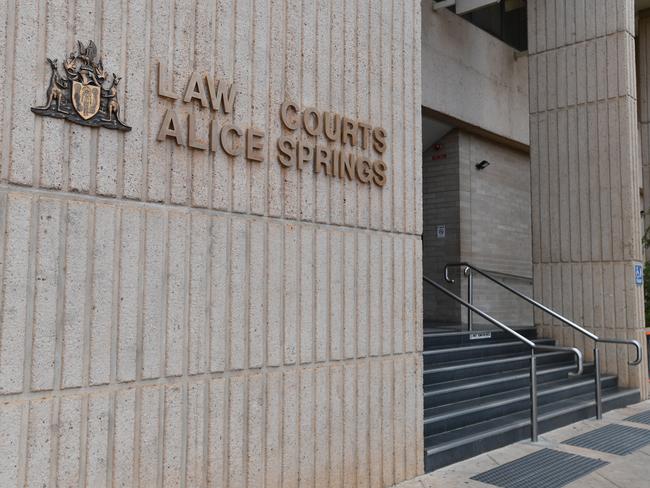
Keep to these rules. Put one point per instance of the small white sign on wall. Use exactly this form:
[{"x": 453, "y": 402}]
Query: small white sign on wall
[
  {"x": 480, "y": 335},
  {"x": 441, "y": 231}
]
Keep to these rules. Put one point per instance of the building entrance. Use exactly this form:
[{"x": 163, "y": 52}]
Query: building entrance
[
  {"x": 490, "y": 378},
  {"x": 476, "y": 208}
]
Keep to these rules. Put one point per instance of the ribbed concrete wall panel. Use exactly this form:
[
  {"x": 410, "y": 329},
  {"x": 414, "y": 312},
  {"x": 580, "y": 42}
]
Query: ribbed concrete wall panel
[
  {"x": 172, "y": 316},
  {"x": 104, "y": 358},
  {"x": 223, "y": 41},
  {"x": 586, "y": 173}
]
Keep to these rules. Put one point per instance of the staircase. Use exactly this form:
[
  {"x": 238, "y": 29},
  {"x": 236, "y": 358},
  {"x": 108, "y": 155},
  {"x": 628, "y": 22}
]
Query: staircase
[{"x": 477, "y": 393}]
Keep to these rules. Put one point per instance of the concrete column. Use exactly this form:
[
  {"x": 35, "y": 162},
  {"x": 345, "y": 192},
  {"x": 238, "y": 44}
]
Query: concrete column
[
  {"x": 643, "y": 50},
  {"x": 586, "y": 173}
]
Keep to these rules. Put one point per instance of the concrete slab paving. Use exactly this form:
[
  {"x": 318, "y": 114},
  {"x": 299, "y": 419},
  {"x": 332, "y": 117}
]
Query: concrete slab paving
[{"x": 631, "y": 471}]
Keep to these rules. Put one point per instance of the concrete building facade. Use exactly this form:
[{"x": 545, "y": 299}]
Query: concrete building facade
[
  {"x": 173, "y": 316},
  {"x": 229, "y": 294}
]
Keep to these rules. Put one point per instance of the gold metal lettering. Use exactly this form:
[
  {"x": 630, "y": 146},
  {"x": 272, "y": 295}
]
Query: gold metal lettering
[
  {"x": 163, "y": 85},
  {"x": 336, "y": 162},
  {"x": 311, "y": 120},
  {"x": 323, "y": 158},
  {"x": 364, "y": 172},
  {"x": 286, "y": 151},
  {"x": 254, "y": 145},
  {"x": 305, "y": 154},
  {"x": 222, "y": 94},
  {"x": 290, "y": 121},
  {"x": 379, "y": 169},
  {"x": 195, "y": 90},
  {"x": 235, "y": 148},
  {"x": 349, "y": 132},
  {"x": 192, "y": 140},
  {"x": 365, "y": 134},
  {"x": 379, "y": 137},
  {"x": 170, "y": 127},
  {"x": 332, "y": 126},
  {"x": 348, "y": 165}
]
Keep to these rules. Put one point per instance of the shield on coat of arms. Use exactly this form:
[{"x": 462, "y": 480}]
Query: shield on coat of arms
[{"x": 86, "y": 99}]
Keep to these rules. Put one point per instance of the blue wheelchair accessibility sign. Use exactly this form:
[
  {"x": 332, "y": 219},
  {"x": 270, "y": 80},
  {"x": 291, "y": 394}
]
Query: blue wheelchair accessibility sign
[{"x": 638, "y": 274}]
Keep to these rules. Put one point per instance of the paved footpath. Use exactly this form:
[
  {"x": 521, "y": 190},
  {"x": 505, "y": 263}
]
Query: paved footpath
[{"x": 628, "y": 471}]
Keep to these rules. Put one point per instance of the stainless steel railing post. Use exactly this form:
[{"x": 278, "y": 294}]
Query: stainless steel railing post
[
  {"x": 599, "y": 386},
  {"x": 533, "y": 396},
  {"x": 470, "y": 297},
  {"x": 628, "y": 342},
  {"x": 533, "y": 347}
]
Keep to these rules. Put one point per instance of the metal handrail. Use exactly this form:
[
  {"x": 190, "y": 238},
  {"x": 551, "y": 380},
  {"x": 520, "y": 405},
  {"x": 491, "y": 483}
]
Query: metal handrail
[
  {"x": 533, "y": 348},
  {"x": 469, "y": 268},
  {"x": 509, "y": 276}
]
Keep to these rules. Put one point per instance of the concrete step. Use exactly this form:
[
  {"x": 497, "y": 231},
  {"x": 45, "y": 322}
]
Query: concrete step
[
  {"x": 480, "y": 386},
  {"x": 471, "y": 440},
  {"x": 473, "y": 368},
  {"x": 478, "y": 350},
  {"x": 455, "y": 415}
]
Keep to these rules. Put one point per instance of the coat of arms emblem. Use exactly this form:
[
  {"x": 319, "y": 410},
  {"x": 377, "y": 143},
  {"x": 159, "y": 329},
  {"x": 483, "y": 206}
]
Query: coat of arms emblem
[{"x": 85, "y": 93}]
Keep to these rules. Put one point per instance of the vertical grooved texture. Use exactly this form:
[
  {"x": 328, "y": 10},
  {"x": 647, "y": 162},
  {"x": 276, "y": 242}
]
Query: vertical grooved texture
[
  {"x": 178, "y": 317},
  {"x": 586, "y": 171}
]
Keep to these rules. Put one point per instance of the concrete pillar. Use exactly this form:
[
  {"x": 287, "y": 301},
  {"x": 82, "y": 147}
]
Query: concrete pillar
[
  {"x": 643, "y": 50},
  {"x": 586, "y": 173}
]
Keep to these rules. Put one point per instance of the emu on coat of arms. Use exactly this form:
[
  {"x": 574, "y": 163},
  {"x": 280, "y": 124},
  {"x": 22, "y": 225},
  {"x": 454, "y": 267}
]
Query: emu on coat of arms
[{"x": 83, "y": 94}]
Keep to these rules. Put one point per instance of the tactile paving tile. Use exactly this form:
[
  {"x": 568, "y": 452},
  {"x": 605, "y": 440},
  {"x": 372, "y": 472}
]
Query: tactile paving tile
[
  {"x": 640, "y": 418},
  {"x": 543, "y": 469},
  {"x": 612, "y": 439}
]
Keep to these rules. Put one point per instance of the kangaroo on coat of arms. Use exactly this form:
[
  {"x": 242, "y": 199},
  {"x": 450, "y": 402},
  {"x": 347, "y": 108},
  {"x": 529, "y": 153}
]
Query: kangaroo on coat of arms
[{"x": 83, "y": 94}]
